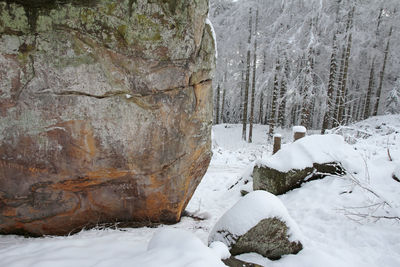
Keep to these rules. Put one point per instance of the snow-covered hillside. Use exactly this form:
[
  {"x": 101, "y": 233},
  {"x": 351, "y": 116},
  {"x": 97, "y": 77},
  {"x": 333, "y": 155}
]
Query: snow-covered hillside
[{"x": 339, "y": 217}]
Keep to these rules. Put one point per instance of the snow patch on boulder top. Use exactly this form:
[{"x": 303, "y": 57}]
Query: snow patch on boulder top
[
  {"x": 314, "y": 149},
  {"x": 248, "y": 212},
  {"x": 299, "y": 129}
]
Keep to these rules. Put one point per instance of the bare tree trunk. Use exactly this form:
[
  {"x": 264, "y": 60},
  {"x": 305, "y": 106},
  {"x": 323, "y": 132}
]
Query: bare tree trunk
[
  {"x": 338, "y": 90},
  {"x": 307, "y": 92},
  {"x": 223, "y": 119},
  {"x": 360, "y": 108},
  {"x": 381, "y": 74},
  {"x": 260, "y": 118},
  {"x": 246, "y": 89},
  {"x": 272, "y": 117},
  {"x": 282, "y": 96},
  {"x": 241, "y": 105},
  {"x": 327, "y": 120},
  {"x": 343, "y": 89},
  {"x": 367, "y": 107},
  {"x": 267, "y": 110},
  {"x": 241, "y": 83},
  {"x": 253, "y": 89},
  {"x": 379, "y": 21},
  {"x": 217, "y": 106}
]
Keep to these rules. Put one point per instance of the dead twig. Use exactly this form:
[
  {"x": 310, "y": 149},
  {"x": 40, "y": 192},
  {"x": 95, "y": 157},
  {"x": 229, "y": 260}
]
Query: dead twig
[
  {"x": 388, "y": 151},
  {"x": 368, "y": 211}
]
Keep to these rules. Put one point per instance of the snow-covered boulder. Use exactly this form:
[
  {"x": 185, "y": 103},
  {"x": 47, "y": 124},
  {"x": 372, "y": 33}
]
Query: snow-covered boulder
[
  {"x": 259, "y": 223},
  {"x": 312, "y": 157}
]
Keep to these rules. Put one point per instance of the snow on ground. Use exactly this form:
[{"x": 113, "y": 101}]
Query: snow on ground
[
  {"x": 331, "y": 213},
  {"x": 103, "y": 248}
]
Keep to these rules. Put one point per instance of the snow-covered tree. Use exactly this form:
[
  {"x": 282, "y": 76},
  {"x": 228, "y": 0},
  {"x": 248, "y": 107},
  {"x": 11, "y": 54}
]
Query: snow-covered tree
[
  {"x": 393, "y": 99},
  {"x": 288, "y": 29}
]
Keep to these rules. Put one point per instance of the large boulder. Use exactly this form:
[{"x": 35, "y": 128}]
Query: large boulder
[
  {"x": 312, "y": 157},
  {"x": 258, "y": 223},
  {"x": 105, "y": 111}
]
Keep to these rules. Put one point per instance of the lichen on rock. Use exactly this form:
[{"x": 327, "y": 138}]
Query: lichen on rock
[{"x": 75, "y": 150}]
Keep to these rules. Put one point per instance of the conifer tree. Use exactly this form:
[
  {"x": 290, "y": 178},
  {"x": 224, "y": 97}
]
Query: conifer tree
[{"x": 393, "y": 100}]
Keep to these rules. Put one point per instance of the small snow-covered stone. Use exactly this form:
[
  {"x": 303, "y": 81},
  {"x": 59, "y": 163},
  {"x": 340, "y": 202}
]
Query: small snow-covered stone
[
  {"x": 260, "y": 223},
  {"x": 299, "y": 129}
]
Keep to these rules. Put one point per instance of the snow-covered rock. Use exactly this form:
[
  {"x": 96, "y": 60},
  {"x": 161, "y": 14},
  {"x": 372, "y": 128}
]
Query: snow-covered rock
[
  {"x": 307, "y": 159},
  {"x": 260, "y": 223},
  {"x": 299, "y": 129}
]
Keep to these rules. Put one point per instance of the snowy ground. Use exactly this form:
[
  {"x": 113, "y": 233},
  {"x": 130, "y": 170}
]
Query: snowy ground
[{"x": 323, "y": 210}]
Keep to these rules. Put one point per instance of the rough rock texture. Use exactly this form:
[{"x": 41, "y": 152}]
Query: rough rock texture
[
  {"x": 258, "y": 223},
  {"x": 278, "y": 182},
  {"x": 268, "y": 238},
  {"x": 105, "y": 111}
]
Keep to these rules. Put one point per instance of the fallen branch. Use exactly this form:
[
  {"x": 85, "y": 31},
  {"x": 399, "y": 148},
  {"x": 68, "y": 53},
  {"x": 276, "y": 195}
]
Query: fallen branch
[
  {"x": 371, "y": 211},
  {"x": 357, "y": 182},
  {"x": 390, "y": 157},
  {"x": 363, "y": 216}
]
